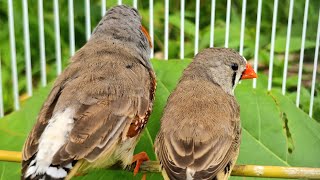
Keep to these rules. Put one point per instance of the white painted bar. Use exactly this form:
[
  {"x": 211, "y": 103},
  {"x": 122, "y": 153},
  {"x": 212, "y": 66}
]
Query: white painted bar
[
  {"x": 1, "y": 92},
  {"x": 13, "y": 57},
  {"x": 103, "y": 7},
  {"x": 135, "y": 4},
  {"x": 315, "y": 66},
  {"x": 182, "y": 9},
  {"x": 151, "y": 32},
  {"x": 273, "y": 38},
  {"x": 42, "y": 44},
  {"x": 286, "y": 56},
  {"x": 71, "y": 27},
  {"x": 304, "y": 29},
  {"x": 243, "y": 22},
  {"x": 213, "y": 9},
  {"x": 226, "y": 39},
  {"x": 256, "y": 49},
  {"x": 196, "y": 39},
  {"x": 166, "y": 29},
  {"x": 88, "y": 19},
  {"x": 119, "y": 2},
  {"x": 27, "y": 54},
  {"x": 57, "y": 36}
]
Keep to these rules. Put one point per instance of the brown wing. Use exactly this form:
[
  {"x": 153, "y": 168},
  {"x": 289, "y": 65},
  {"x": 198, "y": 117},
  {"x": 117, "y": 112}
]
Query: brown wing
[
  {"x": 104, "y": 108},
  {"x": 197, "y": 132}
]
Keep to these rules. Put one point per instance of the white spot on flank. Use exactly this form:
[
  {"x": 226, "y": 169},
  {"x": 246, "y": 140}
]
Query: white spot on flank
[
  {"x": 190, "y": 173},
  {"x": 52, "y": 138}
]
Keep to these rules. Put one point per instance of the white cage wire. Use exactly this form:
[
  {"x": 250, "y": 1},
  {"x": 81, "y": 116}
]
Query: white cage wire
[{"x": 166, "y": 30}]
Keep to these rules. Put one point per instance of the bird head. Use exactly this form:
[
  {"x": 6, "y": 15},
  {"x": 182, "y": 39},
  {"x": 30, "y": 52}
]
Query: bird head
[
  {"x": 224, "y": 67},
  {"x": 122, "y": 26}
]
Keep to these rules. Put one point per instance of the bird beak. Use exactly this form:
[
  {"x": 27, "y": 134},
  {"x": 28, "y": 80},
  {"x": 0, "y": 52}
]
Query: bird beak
[
  {"x": 145, "y": 32},
  {"x": 249, "y": 73}
]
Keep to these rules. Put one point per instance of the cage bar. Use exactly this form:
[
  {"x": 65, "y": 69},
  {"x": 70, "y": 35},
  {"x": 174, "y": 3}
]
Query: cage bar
[
  {"x": 88, "y": 19},
  {"x": 27, "y": 54},
  {"x": 182, "y": 8},
  {"x": 166, "y": 29},
  {"x": 151, "y": 32},
  {"x": 273, "y": 37},
  {"x": 103, "y": 7},
  {"x": 304, "y": 29},
  {"x": 213, "y": 9},
  {"x": 42, "y": 44},
  {"x": 135, "y": 4},
  {"x": 13, "y": 56},
  {"x": 1, "y": 92},
  {"x": 119, "y": 2},
  {"x": 243, "y": 22},
  {"x": 256, "y": 49},
  {"x": 71, "y": 27},
  {"x": 315, "y": 66},
  {"x": 57, "y": 36},
  {"x": 226, "y": 39},
  {"x": 286, "y": 56},
  {"x": 196, "y": 39}
]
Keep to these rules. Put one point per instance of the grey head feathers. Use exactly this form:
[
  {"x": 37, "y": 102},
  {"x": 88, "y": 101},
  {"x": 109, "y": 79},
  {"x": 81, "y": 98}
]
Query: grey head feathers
[
  {"x": 221, "y": 66},
  {"x": 121, "y": 26}
]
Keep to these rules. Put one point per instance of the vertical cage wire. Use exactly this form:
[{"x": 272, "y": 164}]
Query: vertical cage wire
[
  {"x": 315, "y": 66},
  {"x": 256, "y": 48},
  {"x": 1, "y": 92},
  {"x": 304, "y": 29},
  {"x": 88, "y": 19},
  {"x": 243, "y": 22},
  {"x": 57, "y": 35},
  {"x": 226, "y": 39},
  {"x": 286, "y": 56},
  {"x": 213, "y": 9},
  {"x": 135, "y": 4},
  {"x": 119, "y": 2},
  {"x": 151, "y": 32},
  {"x": 166, "y": 29},
  {"x": 182, "y": 8},
  {"x": 42, "y": 44},
  {"x": 196, "y": 39},
  {"x": 27, "y": 55},
  {"x": 103, "y": 7},
  {"x": 273, "y": 38},
  {"x": 71, "y": 27},
  {"x": 13, "y": 56}
]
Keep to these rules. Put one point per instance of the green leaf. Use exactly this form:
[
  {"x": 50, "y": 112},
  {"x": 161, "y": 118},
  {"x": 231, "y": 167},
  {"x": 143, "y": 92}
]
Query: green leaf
[{"x": 275, "y": 132}]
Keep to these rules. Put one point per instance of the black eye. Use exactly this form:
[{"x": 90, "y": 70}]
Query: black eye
[{"x": 234, "y": 66}]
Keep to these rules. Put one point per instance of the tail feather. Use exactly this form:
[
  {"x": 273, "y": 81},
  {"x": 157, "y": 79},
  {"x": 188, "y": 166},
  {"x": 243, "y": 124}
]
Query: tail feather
[{"x": 31, "y": 170}]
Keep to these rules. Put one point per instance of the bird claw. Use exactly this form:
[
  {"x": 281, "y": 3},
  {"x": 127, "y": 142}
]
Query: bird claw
[{"x": 139, "y": 159}]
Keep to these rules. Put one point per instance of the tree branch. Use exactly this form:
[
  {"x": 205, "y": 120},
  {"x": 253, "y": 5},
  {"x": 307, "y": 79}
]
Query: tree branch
[{"x": 238, "y": 170}]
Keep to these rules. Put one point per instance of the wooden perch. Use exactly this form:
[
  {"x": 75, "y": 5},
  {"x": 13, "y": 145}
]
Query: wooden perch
[{"x": 238, "y": 170}]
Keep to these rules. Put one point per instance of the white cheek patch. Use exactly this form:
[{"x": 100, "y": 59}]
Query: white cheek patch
[{"x": 53, "y": 137}]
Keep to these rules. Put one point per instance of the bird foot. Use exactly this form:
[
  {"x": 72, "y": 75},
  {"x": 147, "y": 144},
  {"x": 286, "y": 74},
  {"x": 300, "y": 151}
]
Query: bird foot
[{"x": 139, "y": 158}]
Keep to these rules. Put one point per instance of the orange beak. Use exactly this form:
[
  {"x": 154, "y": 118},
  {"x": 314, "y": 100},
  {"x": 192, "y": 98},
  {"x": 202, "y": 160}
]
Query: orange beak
[
  {"x": 145, "y": 32},
  {"x": 249, "y": 73}
]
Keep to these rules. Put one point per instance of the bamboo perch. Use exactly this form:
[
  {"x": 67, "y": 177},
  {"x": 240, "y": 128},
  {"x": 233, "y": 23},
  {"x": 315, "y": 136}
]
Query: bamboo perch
[{"x": 238, "y": 170}]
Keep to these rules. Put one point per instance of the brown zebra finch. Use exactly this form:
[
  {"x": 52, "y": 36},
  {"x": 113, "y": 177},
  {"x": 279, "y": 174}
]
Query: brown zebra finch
[
  {"x": 98, "y": 106},
  {"x": 200, "y": 131}
]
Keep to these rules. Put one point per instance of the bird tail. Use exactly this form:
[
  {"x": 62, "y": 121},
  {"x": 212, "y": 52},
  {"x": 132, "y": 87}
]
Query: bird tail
[{"x": 34, "y": 171}]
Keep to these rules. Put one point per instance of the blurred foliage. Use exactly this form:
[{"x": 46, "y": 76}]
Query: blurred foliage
[{"x": 174, "y": 42}]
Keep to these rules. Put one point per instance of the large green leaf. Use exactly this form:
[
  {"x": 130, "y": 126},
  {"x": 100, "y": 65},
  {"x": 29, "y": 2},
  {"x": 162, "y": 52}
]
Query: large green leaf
[{"x": 275, "y": 132}]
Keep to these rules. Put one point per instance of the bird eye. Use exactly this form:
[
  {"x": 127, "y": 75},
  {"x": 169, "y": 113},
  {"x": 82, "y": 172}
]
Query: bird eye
[{"x": 234, "y": 66}]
